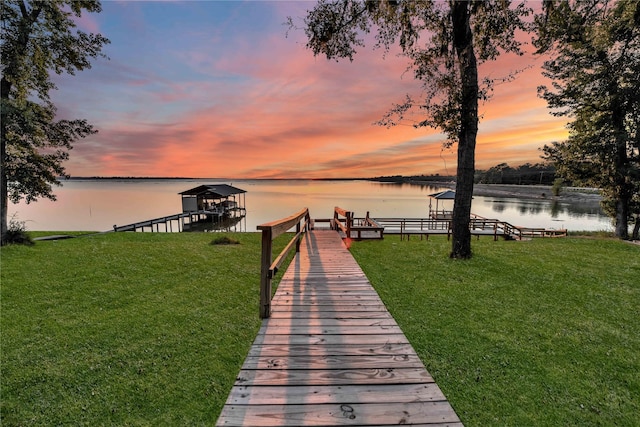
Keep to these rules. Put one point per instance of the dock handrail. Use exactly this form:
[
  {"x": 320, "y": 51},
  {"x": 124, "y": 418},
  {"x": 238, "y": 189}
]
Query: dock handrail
[
  {"x": 368, "y": 225},
  {"x": 350, "y": 224},
  {"x": 345, "y": 223},
  {"x": 478, "y": 225},
  {"x": 269, "y": 268}
]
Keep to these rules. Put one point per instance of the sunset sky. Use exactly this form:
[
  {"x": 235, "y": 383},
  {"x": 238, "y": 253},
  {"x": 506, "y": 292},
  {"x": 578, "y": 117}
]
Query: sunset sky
[{"x": 218, "y": 89}]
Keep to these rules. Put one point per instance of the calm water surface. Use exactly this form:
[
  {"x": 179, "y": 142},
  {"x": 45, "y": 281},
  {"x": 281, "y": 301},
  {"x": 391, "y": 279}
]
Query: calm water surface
[{"x": 97, "y": 205}]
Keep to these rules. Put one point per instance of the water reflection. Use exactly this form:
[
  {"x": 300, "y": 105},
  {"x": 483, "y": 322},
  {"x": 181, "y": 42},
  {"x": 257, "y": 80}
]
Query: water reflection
[
  {"x": 237, "y": 223},
  {"x": 549, "y": 213},
  {"x": 554, "y": 208},
  {"x": 98, "y": 205}
]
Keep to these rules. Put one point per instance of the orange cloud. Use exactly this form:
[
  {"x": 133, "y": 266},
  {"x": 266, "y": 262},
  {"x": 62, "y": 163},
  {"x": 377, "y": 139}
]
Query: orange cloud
[{"x": 242, "y": 107}]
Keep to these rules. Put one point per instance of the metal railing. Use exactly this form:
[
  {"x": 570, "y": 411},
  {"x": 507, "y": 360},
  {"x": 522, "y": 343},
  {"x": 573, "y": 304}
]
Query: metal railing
[{"x": 269, "y": 267}]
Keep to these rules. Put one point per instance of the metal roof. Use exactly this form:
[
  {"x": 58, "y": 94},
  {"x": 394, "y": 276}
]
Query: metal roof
[
  {"x": 444, "y": 195},
  {"x": 213, "y": 190}
]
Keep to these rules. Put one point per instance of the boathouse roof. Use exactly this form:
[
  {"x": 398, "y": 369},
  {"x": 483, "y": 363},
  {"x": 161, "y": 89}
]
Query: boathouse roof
[
  {"x": 444, "y": 195},
  {"x": 213, "y": 190}
]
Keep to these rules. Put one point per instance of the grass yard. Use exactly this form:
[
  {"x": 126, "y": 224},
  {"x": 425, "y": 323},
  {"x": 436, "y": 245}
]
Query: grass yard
[
  {"x": 126, "y": 328},
  {"x": 533, "y": 333},
  {"x": 152, "y": 328}
]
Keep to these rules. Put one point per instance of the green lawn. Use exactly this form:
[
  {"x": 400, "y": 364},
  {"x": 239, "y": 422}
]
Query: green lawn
[
  {"x": 152, "y": 328},
  {"x": 126, "y": 329},
  {"x": 543, "y": 332}
]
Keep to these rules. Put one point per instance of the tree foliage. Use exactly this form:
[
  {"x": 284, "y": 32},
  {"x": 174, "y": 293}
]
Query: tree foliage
[
  {"x": 595, "y": 71},
  {"x": 540, "y": 173},
  {"x": 38, "y": 38},
  {"x": 444, "y": 43}
]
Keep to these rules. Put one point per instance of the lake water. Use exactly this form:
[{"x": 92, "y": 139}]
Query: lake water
[{"x": 98, "y": 205}]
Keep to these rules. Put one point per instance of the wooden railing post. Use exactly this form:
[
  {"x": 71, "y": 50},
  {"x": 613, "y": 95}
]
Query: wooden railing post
[
  {"x": 269, "y": 268},
  {"x": 265, "y": 274}
]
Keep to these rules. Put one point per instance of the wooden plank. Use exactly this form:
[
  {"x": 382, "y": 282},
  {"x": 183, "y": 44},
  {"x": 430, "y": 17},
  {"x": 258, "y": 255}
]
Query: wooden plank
[
  {"x": 333, "y": 376},
  {"x": 298, "y": 395},
  {"x": 334, "y": 308},
  {"x": 330, "y": 330},
  {"x": 288, "y": 314},
  {"x": 325, "y": 289},
  {"x": 285, "y": 323},
  {"x": 327, "y": 284},
  {"x": 338, "y": 414},
  {"x": 330, "y": 350},
  {"x": 280, "y": 226},
  {"x": 324, "y": 279},
  {"x": 327, "y": 297},
  {"x": 338, "y": 288},
  {"x": 319, "y": 339},
  {"x": 333, "y": 362},
  {"x": 312, "y": 296},
  {"x": 338, "y": 303},
  {"x": 326, "y": 293}
]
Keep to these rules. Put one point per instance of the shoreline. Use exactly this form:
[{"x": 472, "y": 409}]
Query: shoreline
[{"x": 538, "y": 192}]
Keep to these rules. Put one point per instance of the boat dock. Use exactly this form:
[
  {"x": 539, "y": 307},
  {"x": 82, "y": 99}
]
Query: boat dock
[
  {"x": 328, "y": 352},
  {"x": 204, "y": 208},
  {"x": 186, "y": 221},
  {"x": 375, "y": 228},
  {"x": 478, "y": 226}
]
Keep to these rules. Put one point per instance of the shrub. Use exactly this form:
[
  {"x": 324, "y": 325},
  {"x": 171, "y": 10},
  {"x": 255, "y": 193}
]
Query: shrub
[
  {"x": 557, "y": 186},
  {"x": 17, "y": 233}
]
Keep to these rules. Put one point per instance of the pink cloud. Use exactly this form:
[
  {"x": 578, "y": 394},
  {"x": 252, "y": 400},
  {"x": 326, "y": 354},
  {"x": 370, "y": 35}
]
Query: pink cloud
[{"x": 268, "y": 108}]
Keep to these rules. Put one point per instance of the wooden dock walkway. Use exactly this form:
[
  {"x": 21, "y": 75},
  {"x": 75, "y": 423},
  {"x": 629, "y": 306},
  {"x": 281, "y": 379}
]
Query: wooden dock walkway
[{"x": 331, "y": 354}]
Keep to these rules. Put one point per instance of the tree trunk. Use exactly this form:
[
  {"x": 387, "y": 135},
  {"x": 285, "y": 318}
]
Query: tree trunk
[
  {"x": 463, "y": 43},
  {"x": 4, "y": 189},
  {"x": 635, "y": 235},
  {"x": 622, "y": 219},
  {"x": 623, "y": 188},
  {"x": 4, "y": 199}
]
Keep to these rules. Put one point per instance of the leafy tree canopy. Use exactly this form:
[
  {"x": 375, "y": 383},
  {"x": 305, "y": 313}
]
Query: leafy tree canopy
[
  {"x": 39, "y": 38},
  {"x": 595, "y": 69}
]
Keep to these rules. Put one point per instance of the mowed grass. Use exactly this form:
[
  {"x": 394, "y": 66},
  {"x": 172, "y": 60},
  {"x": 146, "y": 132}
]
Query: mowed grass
[
  {"x": 152, "y": 328},
  {"x": 126, "y": 329},
  {"x": 532, "y": 333}
]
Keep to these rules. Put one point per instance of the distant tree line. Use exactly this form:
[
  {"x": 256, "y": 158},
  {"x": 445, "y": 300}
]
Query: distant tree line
[
  {"x": 415, "y": 178},
  {"x": 527, "y": 174}
]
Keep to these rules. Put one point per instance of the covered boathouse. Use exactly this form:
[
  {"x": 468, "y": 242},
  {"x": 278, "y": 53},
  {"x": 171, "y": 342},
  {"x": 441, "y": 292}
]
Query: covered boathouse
[
  {"x": 441, "y": 214},
  {"x": 215, "y": 202}
]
